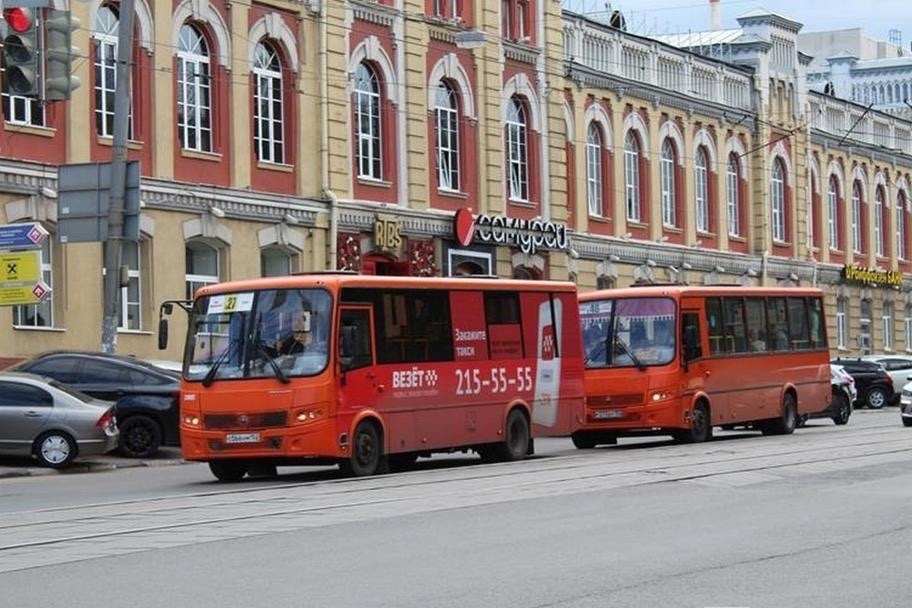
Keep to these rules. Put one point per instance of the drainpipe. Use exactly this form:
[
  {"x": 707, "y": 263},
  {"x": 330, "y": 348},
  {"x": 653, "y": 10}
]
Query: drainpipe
[
  {"x": 764, "y": 261},
  {"x": 324, "y": 139}
]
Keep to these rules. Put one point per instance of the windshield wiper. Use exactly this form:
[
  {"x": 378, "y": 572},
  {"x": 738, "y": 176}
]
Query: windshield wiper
[
  {"x": 261, "y": 347},
  {"x": 620, "y": 342},
  {"x": 210, "y": 375}
]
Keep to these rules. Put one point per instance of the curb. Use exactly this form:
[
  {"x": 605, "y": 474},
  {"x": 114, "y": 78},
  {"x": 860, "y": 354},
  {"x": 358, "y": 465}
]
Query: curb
[{"x": 85, "y": 467}]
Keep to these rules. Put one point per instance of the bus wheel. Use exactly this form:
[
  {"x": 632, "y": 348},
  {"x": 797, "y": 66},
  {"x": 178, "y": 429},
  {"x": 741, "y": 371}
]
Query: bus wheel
[
  {"x": 366, "y": 452},
  {"x": 229, "y": 471},
  {"x": 787, "y": 421},
  {"x": 583, "y": 441},
  {"x": 700, "y": 427},
  {"x": 515, "y": 445}
]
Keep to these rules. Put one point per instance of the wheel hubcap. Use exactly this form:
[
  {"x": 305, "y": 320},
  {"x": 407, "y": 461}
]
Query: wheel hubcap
[
  {"x": 55, "y": 449},
  {"x": 877, "y": 399},
  {"x": 365, "y": 449}
]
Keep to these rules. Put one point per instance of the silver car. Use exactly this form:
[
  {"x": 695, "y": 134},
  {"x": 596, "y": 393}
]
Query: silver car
[{"x": 40, "y": 417}]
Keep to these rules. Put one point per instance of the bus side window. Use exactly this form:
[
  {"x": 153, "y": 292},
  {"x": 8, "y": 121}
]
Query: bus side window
[
  {"x": 355, "y": 339},
  {"x": 691, "y": 338}
]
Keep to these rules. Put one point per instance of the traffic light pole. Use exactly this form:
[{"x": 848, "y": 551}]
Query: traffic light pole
[{"x": 113, "y": 246}]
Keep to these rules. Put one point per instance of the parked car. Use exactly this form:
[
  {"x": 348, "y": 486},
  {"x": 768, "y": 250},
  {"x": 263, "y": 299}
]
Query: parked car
[
  {"x": 41, "y": 418},
  {"x": 843, "y": 395},
  {"x": 905, "y": 405},
  {"x": 146, "y": 396},
  {"x": 899, "y": 367},
  {"x": 874, "y": 385}
]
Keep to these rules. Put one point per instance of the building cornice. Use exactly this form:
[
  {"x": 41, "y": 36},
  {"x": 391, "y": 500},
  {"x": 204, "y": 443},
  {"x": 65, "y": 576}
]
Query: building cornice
[
  {"x": 373, "y": 12},
  {"x": 829, "y": 141}
]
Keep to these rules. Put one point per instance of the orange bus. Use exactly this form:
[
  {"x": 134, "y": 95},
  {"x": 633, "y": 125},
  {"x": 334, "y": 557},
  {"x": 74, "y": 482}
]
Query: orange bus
[
  {"x": 681, "y": 360},
  {"x": 371, "y": 372}
]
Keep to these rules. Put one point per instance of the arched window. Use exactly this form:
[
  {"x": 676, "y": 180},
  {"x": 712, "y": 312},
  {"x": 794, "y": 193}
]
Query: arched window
[
  {"x": 901, "y": 226},
  {"x": 632, "y": 176},
  {"x": 777, "y": 198},
  {"x": 733, "y": 195},
  {"x": 367, "y": 122},
  {"x": 105, "y": 35},
  {"x": 833, "y": 213},
  {"x": 701, "y": 190},
  {"x": 517, "y": 150},
  {"x": 446, "y": 116},
  {"x": 268, "y": 113},
  {"x": 669, "y": 194},
  {"x": 274, "y": 262},
  {"x": 880, "y": 222},
  {"x": 856, "y": 217},
  {"x": 594, "y": 169},
  {"x": 194, "y": 90},
  {"x": 202, "y": 266}
]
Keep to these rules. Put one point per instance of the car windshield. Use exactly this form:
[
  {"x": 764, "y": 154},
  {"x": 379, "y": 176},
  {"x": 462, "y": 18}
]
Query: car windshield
[
  {"x": 72, "y": 392},
  {"x": 629, "y": 331},
  {"x": 259, "y": 334}
]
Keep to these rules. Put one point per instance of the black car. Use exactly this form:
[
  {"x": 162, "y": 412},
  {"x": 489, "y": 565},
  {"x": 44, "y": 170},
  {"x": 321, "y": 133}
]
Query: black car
[
  {"x": 874, "y": 384},
  {"x": 146, "y": 396}
]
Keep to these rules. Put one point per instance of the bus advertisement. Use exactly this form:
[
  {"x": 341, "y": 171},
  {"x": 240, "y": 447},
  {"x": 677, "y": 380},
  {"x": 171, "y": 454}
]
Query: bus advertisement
[
  {"x": 681, "y": 360},
  {"x": 371, "y": 372}
]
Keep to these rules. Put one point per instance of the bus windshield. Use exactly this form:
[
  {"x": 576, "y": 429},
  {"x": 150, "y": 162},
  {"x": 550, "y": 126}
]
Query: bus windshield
[
  {"x": 627, "y": 332},
  {"x": 258, "y": 334}
]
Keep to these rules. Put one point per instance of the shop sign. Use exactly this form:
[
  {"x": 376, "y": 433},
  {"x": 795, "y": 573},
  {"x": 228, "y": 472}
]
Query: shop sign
[
  {"x": 387, "y": 233},
  {"x": 871, "y": 276},
  {"x": 527, "y": 235}
]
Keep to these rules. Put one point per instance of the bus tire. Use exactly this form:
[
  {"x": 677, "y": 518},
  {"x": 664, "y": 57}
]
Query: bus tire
[
  {"x": 582, "y": 440},
  {"x": 228, "y": 471},
  {"x": 700, "y": 427},
  {"x": 788, "y": 418},
  {"x": 366, "y": 452},
  {"x": 515, "y": 445}
]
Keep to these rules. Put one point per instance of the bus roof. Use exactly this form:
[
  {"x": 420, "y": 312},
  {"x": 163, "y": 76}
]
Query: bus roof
[
  {"x": 334, "y": 281},
  {"x": 678, "y": 291}
]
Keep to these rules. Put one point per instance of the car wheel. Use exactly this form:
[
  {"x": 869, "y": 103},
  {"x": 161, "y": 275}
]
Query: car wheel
[
  {"x": 140, "y": 437},
  {"x": 54, "y": 449},
  {"x": 842, "y": 409},
  {"x": 907, "y": 421},
  {"x": 700, "y": 427},
  {"x": 876, "y": 398},
  {"x": 366, "y": 452},
  {"x": 229, "y": 471}
]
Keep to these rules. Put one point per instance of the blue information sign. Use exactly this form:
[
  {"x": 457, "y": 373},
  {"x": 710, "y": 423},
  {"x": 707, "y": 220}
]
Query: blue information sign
[{"x": 21, "y": 236}]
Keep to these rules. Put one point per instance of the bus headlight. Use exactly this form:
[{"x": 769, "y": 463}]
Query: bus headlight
[
  {"x": 309, "y": 414},
  {"x": 191, "y": 420},
  {"x": 661, "y": 396}
]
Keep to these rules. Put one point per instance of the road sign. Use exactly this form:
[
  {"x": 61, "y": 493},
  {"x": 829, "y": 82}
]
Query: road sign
[
  {"x": 83, "y": 197},
  {"x": 17, "y": 296},
  {"x": 22, "y": 269},
  {"x": 22, "y": 236}
]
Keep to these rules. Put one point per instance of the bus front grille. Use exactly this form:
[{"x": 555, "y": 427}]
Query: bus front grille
[
  {"x": 263, "y": 420},
  {"x": 615, "y": 400}
]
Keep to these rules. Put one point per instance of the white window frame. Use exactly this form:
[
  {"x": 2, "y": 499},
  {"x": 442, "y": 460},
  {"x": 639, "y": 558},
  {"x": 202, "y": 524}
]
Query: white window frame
[
  {"x": 701, "y": 190},
  {"x": 195, "y": 281},
  {"x": 907, "y": 327},
  {"x": 632, "y": 177},
  {"x": 46, "y": 306},
  {"x": 841, "y": 326},
  {"x": 106, "y": 25},
  {"x": 733, "y": 196},
  {"x": 878, "y": 222},
  {"x": 900, "y": 227},
  {"x": 446, "y": 9},
  {"x": 833, "y": 214},
  {"x": 856, "y": 217},
  {"x": 517, "y": 151},
  {"x": 887, "y": 324},
  {"x": 268, "y": 125},
  {"x": 368, "y": 125},
  {"x": 777, "y": 198},
  {"x": 594, "y": 170},
  {"x": 669, "y": 194},
  {"x": 124, "y": 303},
  {"x": 446, "y": 123},
  {"x": 194, "y": 90}
]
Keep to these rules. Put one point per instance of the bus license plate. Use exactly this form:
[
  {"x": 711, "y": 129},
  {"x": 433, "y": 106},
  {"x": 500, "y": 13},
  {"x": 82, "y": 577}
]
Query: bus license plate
[
  {"x": 608, "y": 414},
  {"x": 242, "y": 438}
]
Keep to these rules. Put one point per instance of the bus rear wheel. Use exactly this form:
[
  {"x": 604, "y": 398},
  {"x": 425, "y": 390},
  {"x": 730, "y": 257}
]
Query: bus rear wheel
[
  {"x": 787, "y": 421},
  {"x": 700, "y": 427},
  {"x": 516, "y": 441},
  {"x": 366, "y": 452},
  {"x": 228, "y": 471}
]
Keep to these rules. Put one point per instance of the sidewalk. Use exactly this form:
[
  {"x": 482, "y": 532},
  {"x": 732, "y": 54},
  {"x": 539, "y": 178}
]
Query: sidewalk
[{"x": 25, "y": 467}]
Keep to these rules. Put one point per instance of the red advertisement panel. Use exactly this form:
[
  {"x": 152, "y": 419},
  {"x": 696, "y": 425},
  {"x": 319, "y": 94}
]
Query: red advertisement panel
[{"x": 470, "y": 338}]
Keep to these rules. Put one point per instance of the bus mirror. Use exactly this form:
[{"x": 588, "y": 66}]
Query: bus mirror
[{"x": 162, "y": 333}]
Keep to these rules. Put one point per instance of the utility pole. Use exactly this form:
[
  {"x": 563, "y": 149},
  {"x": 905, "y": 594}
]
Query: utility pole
[{"x": 113, "y": 245}]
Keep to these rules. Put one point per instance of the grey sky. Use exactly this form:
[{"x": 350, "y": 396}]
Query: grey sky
[{"x": 875, "y": 17}]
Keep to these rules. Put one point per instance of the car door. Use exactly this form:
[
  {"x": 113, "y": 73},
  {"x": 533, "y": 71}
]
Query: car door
[
  {"x": 103, "y": 379},
  {"x": 24, "y": 413}
]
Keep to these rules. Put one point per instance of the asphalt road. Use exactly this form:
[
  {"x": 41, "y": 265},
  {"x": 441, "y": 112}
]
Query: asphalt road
[{"x": 812, "y": 519}]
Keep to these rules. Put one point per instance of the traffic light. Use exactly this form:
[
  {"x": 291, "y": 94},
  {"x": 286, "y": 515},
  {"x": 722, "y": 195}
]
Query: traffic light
[
  {"x": 59, "y": 81},
  {"x": 22, "y": 51}
]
